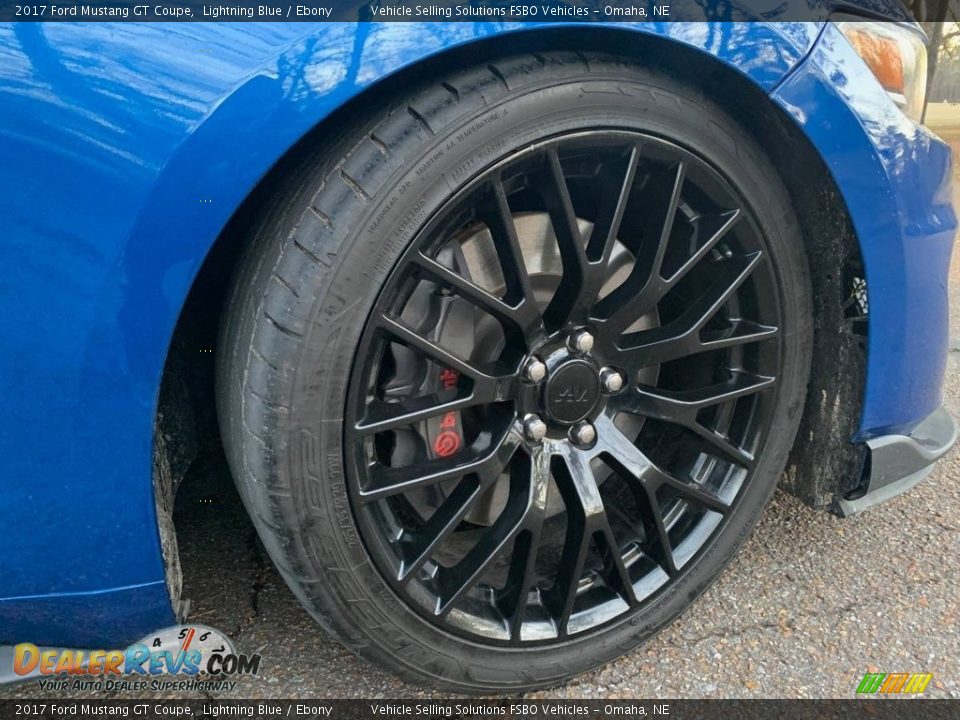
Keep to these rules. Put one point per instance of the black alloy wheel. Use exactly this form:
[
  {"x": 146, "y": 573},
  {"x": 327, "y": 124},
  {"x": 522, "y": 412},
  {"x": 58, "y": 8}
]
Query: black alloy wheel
[
  {"x": 609, "y": 412},
  {"x": 511, "y": 366}
]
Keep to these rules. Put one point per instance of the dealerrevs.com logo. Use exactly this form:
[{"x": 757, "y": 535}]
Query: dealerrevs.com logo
[{"x": 172, "y": 659}]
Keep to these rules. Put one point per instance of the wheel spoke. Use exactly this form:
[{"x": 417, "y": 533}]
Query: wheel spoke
[
  {"x": 503, "y": 232},
  {"x": 524, "y": 316},
  {"x": 625, "y": 309},
  {"x": 614, "y": 206},
  {"x": 615, "y": 572},
  {"x": 610, "y": 215},
  {"x": 681, "y": 337},
  {"x": 641, "y": 469},
  {"x": 485, "y": 383},
  {"x": 454, "y": 582},
  {"x": 730, "y": 276},
  {"x": 644, "y": 287},
  {"x": 740, "y": 332},
  {"x": 725, "y": 446},
  {"x": 556, "y": 196},
  {"x": 587, "y": 523},
  {"x": 381, "y": 416},
  {"x": 655, "y": 263},
  {"x": 663, "y": 536},
  {"x": 636, "y": 298},
  {"x": 521, "y": 576},
  {"x": 417, "y": 547},
  {"x": 715, "y": 227},
  {"x": 634, "y": 468},
  {"x": 387, "y": 481},
  {"x": 696, "y": 492},
  {"x": 681, "y": 407},
  {"x": 563, "y": 594}
]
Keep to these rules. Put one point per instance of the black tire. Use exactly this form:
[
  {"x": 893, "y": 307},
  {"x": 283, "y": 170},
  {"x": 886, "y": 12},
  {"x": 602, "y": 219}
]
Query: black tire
[{"x": 312, "y": 273}]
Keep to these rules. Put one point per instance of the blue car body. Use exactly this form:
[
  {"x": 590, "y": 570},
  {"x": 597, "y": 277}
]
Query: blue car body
[{"x": 128, "y": 148}]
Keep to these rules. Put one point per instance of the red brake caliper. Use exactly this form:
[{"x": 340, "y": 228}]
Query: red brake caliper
[{"x": 445, "y": 432}]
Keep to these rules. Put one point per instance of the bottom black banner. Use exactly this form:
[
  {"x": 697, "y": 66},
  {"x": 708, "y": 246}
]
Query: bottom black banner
[{"x": 885, "y": 709}]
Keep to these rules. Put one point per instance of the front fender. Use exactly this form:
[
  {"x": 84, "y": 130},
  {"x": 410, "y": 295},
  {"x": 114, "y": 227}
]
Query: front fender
[{"x": 895, "y": 178}]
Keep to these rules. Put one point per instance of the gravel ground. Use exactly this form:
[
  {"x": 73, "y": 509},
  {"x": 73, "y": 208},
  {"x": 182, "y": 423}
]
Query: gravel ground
[{"x": 811, "y": 603}]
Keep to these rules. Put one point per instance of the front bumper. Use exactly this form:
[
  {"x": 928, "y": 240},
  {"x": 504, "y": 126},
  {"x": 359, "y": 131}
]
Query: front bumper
[{"x": 898, "y": 462}]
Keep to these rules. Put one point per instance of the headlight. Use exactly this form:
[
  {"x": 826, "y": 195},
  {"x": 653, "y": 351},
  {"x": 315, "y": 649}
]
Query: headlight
[{"x": 898, "y": 58}]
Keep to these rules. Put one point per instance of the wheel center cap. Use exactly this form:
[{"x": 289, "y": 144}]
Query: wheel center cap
[{"x": 572, "y": 391}]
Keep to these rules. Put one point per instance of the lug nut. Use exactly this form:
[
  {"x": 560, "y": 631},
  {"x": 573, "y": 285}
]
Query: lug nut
[
  {"x": 534, "y": 370},
  {"x": 611, "y": 380},
  {"x": 583, "y": 433},
  {"x": 533, "y": 427},
  {"x": 581, "y": 341}
]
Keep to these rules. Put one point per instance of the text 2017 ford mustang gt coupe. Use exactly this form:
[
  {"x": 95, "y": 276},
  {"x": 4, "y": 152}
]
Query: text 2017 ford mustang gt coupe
[{"x": 508, "y": 331}]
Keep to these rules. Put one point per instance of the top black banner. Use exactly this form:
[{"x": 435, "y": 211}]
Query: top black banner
[{"x": 559, "y": 11}]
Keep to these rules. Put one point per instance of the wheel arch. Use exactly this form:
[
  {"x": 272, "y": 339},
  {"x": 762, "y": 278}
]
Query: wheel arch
[{"x": 185, "y": 421}]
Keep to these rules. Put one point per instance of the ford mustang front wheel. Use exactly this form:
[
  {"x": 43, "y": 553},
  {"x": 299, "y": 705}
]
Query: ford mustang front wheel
[{"x": 511, "y": 368}]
